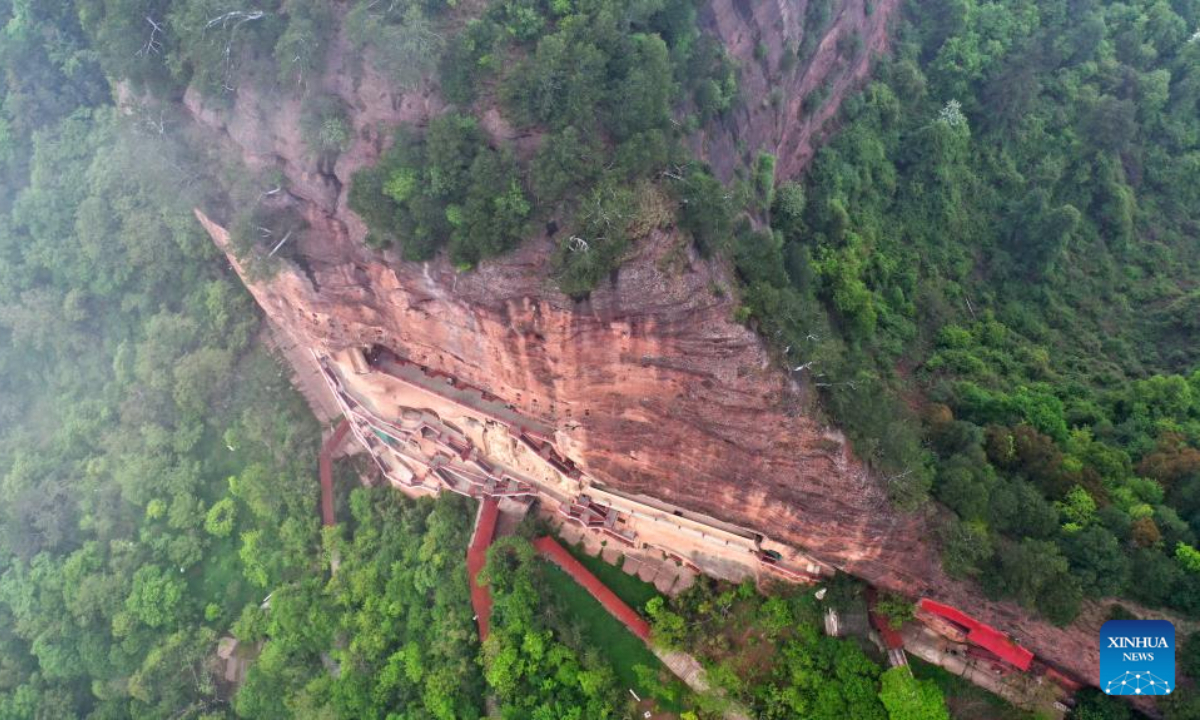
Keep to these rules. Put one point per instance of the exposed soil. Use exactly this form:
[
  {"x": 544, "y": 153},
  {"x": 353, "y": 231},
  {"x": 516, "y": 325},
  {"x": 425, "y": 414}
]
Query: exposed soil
[{"x": 772, "y": 116}]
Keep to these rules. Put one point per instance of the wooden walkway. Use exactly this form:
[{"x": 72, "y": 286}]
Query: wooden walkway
[
  {"x": 326, "y": 464},
  {"x": 683, "y": 665},
  {"x": 550, "y": 549},
  {"x": 481, "y": 540}
]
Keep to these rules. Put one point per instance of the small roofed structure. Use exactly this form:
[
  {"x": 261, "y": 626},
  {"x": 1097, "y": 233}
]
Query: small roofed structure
[
  {"x": 236, "y": 659},
  {"x": 981, "y": 635}
]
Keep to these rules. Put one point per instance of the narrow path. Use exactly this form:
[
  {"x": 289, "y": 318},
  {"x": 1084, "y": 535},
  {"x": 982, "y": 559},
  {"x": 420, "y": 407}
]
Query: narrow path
[
  {"x": 549, "y": 548},
  {"x": 481, "y": 540},
  {"x": 685, "y": 667},
  {"x": 326, "y": 464}
]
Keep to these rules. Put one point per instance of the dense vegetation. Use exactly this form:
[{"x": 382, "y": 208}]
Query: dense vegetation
[
  {"x": 391, "y": 629},
  {"x": 533, "y": 672},
  {"x": 156, "y": 470},
  {"x": 988, "y": 274},
  {"x": 769, "y": 653},
  {"x": 987, "y": 227},
  {"x": 1005, "y": 223},
  {"x": 595, "y": 83},
  {"x": 447, "y": 183},
  {"x": 156, "y": 467}
]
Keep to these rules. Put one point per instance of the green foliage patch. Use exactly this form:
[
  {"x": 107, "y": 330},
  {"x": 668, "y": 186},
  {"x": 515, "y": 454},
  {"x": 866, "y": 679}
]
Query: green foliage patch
[
  {"x": 986, "y": 275},
  {"x": 598, "y": 84}
]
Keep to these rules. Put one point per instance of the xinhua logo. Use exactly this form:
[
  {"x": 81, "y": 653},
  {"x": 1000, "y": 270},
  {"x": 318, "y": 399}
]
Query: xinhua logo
[{"x": 1137, "y": 657}]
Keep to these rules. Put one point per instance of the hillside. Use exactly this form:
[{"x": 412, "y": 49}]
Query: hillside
[{"x": 906, "y": 292}]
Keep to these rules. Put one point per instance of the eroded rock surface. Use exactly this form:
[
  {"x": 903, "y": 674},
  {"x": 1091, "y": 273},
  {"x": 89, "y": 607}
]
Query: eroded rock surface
[{"x": 772, "y": 116}]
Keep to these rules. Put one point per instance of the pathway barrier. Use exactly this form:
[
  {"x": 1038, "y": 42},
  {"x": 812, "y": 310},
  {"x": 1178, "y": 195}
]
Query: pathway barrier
[{"x": 550, "y": 549}]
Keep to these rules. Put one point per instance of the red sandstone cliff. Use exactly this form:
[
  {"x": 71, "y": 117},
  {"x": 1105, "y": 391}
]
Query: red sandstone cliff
[{"x": 652, "y": 386}]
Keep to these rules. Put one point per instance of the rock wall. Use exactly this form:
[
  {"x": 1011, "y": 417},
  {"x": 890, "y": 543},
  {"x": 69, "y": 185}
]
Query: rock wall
[
  {"x": 771, "y": 117},
  {"x": 650, "y": 384},
  {"x": 653, "y": 388}
]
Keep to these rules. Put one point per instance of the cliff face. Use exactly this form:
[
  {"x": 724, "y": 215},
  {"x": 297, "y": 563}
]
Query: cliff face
[
  {"x": 763, "y": 37},
  {"x": 651, "y": 385}
]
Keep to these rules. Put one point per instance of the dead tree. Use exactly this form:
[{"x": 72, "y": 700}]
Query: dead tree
[
  {"x": 234, "y": 19},
  {"x": 280, "y": 244},
  {"x": 230, "y": 23},
  {"x": 153, "y": 44}
]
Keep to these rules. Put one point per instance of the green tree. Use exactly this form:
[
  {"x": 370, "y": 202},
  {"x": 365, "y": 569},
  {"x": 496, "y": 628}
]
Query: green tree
[
  {"x": 1098, "y": 561},
  {"x": 155, "y": 596},
  {"x": 495, "y": 211},
  {"x": 217, "y": 47},
  {"x": 669, "y": 628},
  {"x": 221, "y": 517},
  {"x": 897, "y": 609},
  {"x": 400, "y": 39},
  {"x": 1091, "y": 704},
  {"x": 1188, "y": 557},
  {"x": 1035, "y": 573},
  {"x": 301, "y": 46},
  {"x": 567, "y": 162},
  {"x": 706, "y": 211},
  {"x": 907, "y": 698},
  {"x": 325, "y": 126}
]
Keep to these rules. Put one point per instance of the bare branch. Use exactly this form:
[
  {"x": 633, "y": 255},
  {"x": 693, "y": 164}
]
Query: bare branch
[
  {"x": 153, "y": 45},
  {"x": 234, "y": 18},
  {"x": 281, "y": 242},
  {"x": 230, "y": 22}
]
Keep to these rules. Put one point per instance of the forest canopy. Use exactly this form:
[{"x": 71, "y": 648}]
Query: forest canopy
[{"x": 1002, "y": 224}]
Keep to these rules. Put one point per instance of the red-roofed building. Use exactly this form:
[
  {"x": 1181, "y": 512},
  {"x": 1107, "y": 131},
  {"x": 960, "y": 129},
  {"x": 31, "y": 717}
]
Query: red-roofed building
[{"x": 981, "y": 635}]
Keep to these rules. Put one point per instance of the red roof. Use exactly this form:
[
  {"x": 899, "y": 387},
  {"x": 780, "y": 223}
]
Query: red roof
[
  {"x": 985, "y": 636},
  {"x": 1064, "y": 681}
]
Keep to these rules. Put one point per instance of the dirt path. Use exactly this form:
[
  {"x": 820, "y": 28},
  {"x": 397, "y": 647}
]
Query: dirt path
[{"x": 326, "y": 464}]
